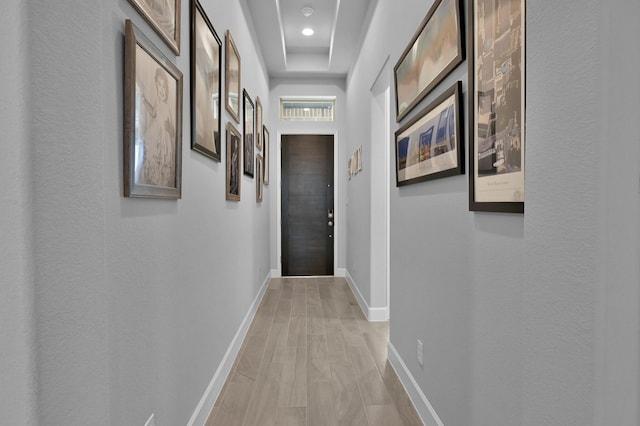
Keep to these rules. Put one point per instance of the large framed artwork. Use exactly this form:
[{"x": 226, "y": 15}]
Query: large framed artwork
[
  {"x": 258, "y": 124},
  {"x": 152, "y": 120},
  {"x": 232, "y": 78},
  {"x": 249, "y": 133},
  {"x": 259, "y": 180},
  {"x": 265, "y": 138},
  {"x": 234, "y": 155},
  {"x": 431, "y": 145},
  {"x": 497, "y": 106},
  {"x": 206, "y": 63},
  {"x": 434, "y": 51},
  {"x": 164, "y": 18}
]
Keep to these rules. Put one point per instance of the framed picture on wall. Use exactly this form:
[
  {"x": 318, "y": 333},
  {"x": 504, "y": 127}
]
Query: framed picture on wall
[
  {"x": 234, "y": 155},
  {"x": 431, "y": 146},
  {"x": 206, "y": 82},
  {"x": 249, "y": 133},
  {"x": 265, "y": 138},
  {"x": 232, "y": 78},
  {"x": 434, "y": 51},
  {"x": 258, "y": 124},
  {"x": 164, "y": 18},
  {"x": 152, "y": 120},
  {"x": 497, "y": 106},
  {"x": 259, "y": 180}
]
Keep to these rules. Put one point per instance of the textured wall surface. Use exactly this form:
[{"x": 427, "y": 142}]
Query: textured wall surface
[
  {"x": 17, "y": 364},
  {"x": 137, "y": 300}
]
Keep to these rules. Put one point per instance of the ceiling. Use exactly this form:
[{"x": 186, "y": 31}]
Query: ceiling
[{"x": 338, "y": 26}]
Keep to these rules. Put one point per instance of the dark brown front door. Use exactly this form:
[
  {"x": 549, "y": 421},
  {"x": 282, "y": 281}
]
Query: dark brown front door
[{"x": 307, "y": 205}]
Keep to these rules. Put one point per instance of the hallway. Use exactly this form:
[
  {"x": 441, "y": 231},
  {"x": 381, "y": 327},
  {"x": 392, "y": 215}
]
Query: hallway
[{"x": 311, "y": 358}]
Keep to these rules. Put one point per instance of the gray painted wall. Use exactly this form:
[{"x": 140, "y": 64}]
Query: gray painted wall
[
  {"x": 301, "y": 88},
  {"x": 526, "y": 319},
  {"x": 17, "y": 363},
  {"x": 136, "y": 301}
]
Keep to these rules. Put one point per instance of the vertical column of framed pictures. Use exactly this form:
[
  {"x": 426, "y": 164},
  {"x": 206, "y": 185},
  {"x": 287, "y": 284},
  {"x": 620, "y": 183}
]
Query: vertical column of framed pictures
[
  {"x": 152, "y": 120},
  {"x": 431, "y": 145},
  {"x": 206, "y": 83},
  {"x": 497, "y": 105},
  {"x": 265, "y": 139},
  {"x": 234, "y": 155},
  {"x": 249, "y": 131},
  {"x": 164, "y": 18},
  {"x": 434, "y": 51},
  {"x": 232, "y": 78}
]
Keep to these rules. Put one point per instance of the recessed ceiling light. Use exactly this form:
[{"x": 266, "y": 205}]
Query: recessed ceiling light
[
  {"x": 307, "y": 11},
  {"x": 308, "y": 32}
]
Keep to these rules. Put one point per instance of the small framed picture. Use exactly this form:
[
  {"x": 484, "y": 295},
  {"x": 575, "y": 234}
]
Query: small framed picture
[
  {"x": 206, "y": 63},
  {"x": 430, "y": 146},
  {"x": 259, "y": 180},
  {"x": 265, "y": 138},
  {"x": 234, "y": 153},
  {"x": 249, "y": 133},
  {"x": 232, "y": 78},
  {"x": 258, "y": 124},
  {"x": 164, "y": 18},
  {"x": 152, "y": 120}
]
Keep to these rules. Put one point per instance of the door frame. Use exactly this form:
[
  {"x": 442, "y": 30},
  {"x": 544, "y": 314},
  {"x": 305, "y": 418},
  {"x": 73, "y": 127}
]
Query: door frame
[{"x": 336, "y": 188}]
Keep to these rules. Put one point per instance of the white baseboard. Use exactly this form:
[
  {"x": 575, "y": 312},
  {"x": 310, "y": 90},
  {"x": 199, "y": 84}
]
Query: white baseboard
[
  {"x": 341, "y": 272},
  {"x": 420, "y": 401},
  {"x": 208, "y": 400},
  {"x": 275, "y": 273},
  {"x": 373, "y": 314}
]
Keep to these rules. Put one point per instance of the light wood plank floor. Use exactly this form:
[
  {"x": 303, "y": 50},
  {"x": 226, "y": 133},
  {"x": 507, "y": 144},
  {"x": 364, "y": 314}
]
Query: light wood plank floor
[{"x": 311, "y": 358}]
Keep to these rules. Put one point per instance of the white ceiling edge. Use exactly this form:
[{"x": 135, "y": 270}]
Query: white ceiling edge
[{"x": 360, "y": 42}]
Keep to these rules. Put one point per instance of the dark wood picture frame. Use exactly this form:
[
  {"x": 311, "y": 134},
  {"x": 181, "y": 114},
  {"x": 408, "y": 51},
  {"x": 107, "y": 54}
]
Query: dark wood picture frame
[
  {"x": 234, "y": 163},
  {"x": 206, "y": 84},
  {"x": 164, "y": 20},
  {"x": 249, "y": 128},
  {"x": 233, "y": 74},
  {"x": 258, "y": 123},
  {"x": 431, "y": 145},
  {"x": 152, "y": 120},
  {"x": 265, "y": 139},
  {"x": 416, "y": 75},
  {"x": 497, "y": 81},
  {"x": 259, "y": 179}
]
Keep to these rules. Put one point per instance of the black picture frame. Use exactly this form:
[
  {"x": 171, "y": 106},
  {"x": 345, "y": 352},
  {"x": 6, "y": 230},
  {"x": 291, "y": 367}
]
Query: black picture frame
[
  {"x": 435, "y": 50},
  {"x": 497, "y": 107},
  {"x": 206, "y": 84},
  {"x": 249, "y": 128},
  {"x": 234, "y": 161},
  {"x": 431, "y": 145}
]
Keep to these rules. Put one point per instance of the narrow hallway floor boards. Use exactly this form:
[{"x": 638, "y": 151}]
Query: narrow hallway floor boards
[{"x": 311, "y": 358}]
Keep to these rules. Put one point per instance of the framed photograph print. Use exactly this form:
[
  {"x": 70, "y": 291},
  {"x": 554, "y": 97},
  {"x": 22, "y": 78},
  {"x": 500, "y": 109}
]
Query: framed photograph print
[
  {"x": 206, "y": 63},
  {"x": 431, "y": 145},
  {"x": 234, "y": 154},
  {"x": 434, "y": 51},
  {"x": 249, "y": 133},
  {"x": 258, "y": 124},
  {"x": 497, "y": 106},
  {"x": 164, "y": 18},
  {"x": 232, "y": 78},
  {"x": 265, "y": 139},
  {"x": 152, "y": 120},
  {"x": 259, "y": 163}
]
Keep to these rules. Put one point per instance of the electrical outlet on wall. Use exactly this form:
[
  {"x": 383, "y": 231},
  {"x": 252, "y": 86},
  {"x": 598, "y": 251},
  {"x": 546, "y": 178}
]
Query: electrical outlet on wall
[
  {"x": 151, "y": 421},
  {"x": 420, "y": 353}
]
